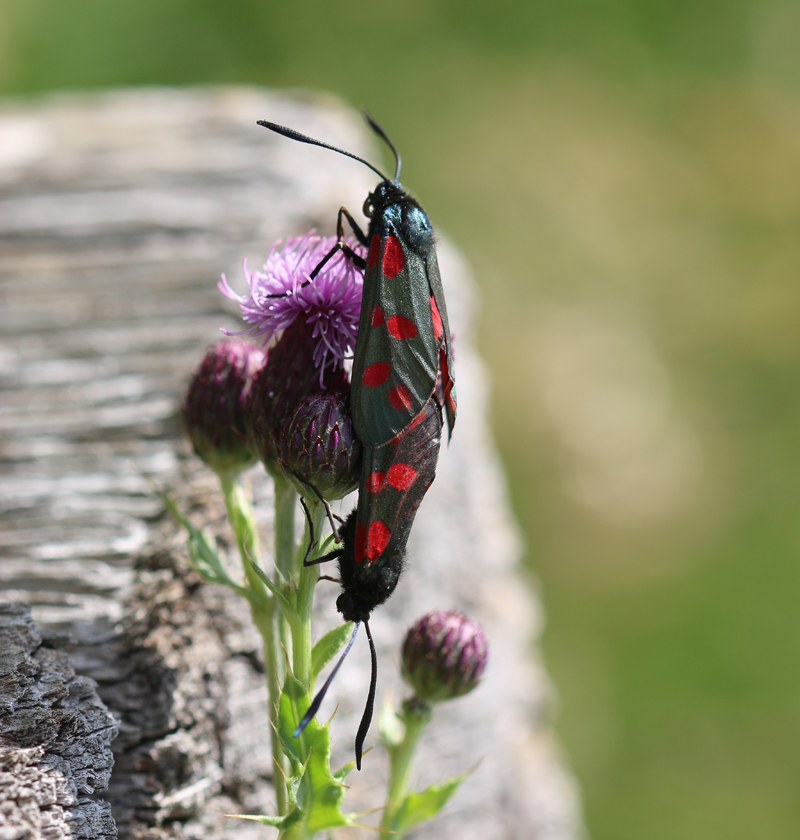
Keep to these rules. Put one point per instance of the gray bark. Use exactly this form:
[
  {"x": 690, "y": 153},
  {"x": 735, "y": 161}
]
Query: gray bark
[
  {"x": 55, "y": 737},
  {"x": 118, "y": 211}
]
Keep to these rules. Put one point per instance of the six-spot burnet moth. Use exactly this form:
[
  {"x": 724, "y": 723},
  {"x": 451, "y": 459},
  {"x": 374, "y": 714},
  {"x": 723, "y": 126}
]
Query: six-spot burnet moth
[{"x": 403, "y": 350}]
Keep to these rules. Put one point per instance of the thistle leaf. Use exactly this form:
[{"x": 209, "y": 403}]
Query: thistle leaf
[
  {"x": 279, "y": 596},
  {"x": 203, "y": 556},
  {"x": 329, "y": 645},
  {"x": 283, "y": 823},
  {"x": 343, "y": 772},
  {"x": 423, "y": 805},
  {"x": 327, "y": 545},
  {"x": 315, "y": 790}
]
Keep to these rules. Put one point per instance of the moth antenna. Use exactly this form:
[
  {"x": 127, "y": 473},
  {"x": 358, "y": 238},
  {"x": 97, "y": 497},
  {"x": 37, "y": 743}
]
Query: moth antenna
[
  {"x": 378, "y": 129},
  {"x": 314, "y": 707},
  {"x": 303, "y": 138},
  {"x": 366, "y": 718}
]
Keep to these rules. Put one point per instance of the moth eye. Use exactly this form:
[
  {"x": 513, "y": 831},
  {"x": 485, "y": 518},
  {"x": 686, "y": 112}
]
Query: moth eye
[{"x": 367, "y": 208}]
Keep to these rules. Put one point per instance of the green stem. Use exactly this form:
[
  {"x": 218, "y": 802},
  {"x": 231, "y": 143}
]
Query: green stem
[
  {"x": 285, "y": 504},
  {"x": 262, "y": 609},
  {"x": 243, "y": 522},
  {"x": 296, "y": 832},
  {"x": 266, "y": 626},
  {"x": 307, "y": 577},
  {"x": 416, "y": 714}
]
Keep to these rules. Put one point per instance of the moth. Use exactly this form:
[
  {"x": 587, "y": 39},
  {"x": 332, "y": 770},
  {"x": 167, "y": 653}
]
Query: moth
[{"x": 402, "y": 384}]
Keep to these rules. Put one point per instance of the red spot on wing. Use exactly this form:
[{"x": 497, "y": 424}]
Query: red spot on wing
[
  {"x": 374, "y": 252},
  {"x": 375, "y": 481},
  {"x": 451, "y": 405},
  {"x": 361, "y": 542},
  {"x": 394, "y": 259},
  {"x": 377, "y": 539},
  {"x": 416, "y": 421},
  {"x": 400, "y": 397},
  {"x": 447, "y": 382},
  {"x": 400, "y": 327},
  {"x": 376, "y": 317},
  {"x": 438, "y": 326},
  {"x": 376, "y": 374},
  {"x": 401, "y": 476}
]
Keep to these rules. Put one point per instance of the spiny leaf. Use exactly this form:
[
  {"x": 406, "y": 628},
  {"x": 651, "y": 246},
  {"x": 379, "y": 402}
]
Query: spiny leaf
[
  {"x": 329, "y": 645},
  {"x": 320, "y": 793},
  {"x": 343, "y": 772},
  {"x": 280, "y": 597},
  {"x": 202, "y": 554},
  {"x": 423, "y": 805},
  {"x": 293, "y": 783},
  {"x": 283, "y": 823},
  {"x": 326, "y": 545}
]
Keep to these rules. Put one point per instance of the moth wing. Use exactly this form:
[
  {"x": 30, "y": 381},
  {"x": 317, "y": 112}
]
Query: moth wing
[
  {"x": 396, "y": 360},
  {"x": 394, "y": 480},
  {"x": 446, "y": 366}
]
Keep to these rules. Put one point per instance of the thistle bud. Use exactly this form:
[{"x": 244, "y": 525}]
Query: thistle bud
[
  {"x": 287, "y": 378},
  {"x": 318, "y": 447},
  {"x": 443, "y": 656},
  {"x": 214, "y": 406}
]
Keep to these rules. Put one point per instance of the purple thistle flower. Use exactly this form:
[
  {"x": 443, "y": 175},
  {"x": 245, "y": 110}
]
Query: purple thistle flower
[{"x": 330, "y": 303}]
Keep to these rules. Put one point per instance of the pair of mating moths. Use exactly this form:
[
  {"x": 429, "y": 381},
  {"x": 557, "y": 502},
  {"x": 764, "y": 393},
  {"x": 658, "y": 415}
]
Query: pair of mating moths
[{"x": 402, "y": 381}]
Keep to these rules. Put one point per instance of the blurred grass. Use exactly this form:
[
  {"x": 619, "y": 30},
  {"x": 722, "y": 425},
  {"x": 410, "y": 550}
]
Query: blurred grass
[{"x": 624, "y": 176}]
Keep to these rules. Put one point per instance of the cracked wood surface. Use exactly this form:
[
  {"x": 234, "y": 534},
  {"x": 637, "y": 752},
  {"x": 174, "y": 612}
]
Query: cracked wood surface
[
  {"x": 55, "y": 737},
  {"x": 118, "y": 211}
]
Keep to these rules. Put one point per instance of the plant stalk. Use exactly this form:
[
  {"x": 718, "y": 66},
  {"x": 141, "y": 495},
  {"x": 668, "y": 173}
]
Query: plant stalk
[
  {"x": 416, "y": 715},
  {"x": 307, "y": 577},
  {"x": 262, "y": 609}
]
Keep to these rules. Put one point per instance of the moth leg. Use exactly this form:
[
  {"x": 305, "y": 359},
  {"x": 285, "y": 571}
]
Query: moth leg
[
  {"x": 351, "y": 255},
  {"x": 331, "y": 555},
  {"x": 328, "y": 577},
  {"x": 312, "y": 543},
  {"x": 336, "y": 536},
  {"x": 359, "y": 234}
]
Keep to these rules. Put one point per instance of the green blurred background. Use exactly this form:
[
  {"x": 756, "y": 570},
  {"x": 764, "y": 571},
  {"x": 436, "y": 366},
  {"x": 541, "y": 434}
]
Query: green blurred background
[{"x": 624, "y": 176}]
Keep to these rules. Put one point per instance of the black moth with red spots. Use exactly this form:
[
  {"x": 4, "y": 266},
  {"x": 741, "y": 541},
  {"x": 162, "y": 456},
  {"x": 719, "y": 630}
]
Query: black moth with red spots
[
  {"x": 402, "y": 354},
  {"x": 394, "y": 480}
]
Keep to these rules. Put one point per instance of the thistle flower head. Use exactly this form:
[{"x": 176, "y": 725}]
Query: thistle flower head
[
  {"x": 444, "y": 655},
  {"x": 214, "y": 406},
  {"x": 282, "y": 292}
]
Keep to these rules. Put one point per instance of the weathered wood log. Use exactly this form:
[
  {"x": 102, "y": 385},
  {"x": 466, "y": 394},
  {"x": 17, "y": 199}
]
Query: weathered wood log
[
  {"x": 55, "y": 740},
  {"x": 117, "y": 213}
]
